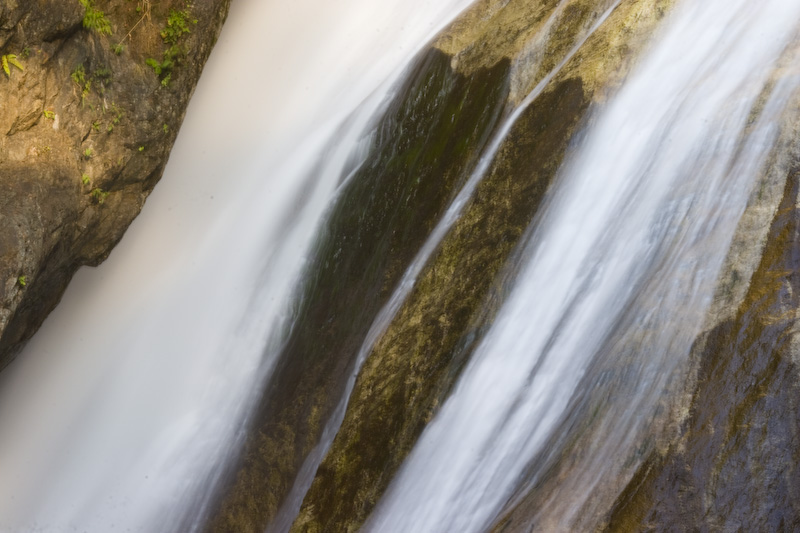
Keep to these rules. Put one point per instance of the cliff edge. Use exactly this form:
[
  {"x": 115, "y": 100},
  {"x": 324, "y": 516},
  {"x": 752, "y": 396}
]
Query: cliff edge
[{"x": 93, "y": 92}]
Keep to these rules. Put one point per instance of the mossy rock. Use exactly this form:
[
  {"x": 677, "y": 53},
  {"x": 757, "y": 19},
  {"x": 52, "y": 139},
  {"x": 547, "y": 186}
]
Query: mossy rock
[{"x": 423, "y": 149}]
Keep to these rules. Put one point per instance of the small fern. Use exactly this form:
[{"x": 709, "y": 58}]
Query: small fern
[
  {"x": 10, "y": 59},
  {"x": 99, "y": 195},
  {"x": 94, "y": 19},
  {"x": 79, "y": 77},
  {"x": 177, "y": 25}
]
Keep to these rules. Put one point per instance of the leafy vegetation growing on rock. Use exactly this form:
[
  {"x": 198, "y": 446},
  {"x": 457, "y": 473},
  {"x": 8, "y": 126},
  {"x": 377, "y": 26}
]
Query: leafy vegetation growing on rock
[
  {"x": 10, "y": 59},
  {"x": 94, "y": 19},
  {"x": 99, "y": 195},
  {"x": 175, "y": 29}
]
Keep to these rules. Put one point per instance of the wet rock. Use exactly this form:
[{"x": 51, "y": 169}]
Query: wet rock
[
  {"x": 734, "y": 463},
  {"x": 422, "y": 151},
  {"x": 478, "y": 69}
]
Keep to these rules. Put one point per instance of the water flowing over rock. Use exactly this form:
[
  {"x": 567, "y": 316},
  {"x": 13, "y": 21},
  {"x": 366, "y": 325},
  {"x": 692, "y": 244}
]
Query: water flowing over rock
[{"x": 537, "y": 274}]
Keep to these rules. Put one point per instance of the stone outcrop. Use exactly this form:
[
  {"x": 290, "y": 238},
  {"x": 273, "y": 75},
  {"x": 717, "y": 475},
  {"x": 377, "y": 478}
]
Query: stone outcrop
[
  {"x": 467, "y": 82},
  {"x": 731, "y": 462},
  {"x": 93, "y": 97}
]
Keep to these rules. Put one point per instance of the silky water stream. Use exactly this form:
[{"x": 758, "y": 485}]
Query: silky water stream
[
  {"x": 618, "y": 271},
  {"x": 121, "y": 412}
]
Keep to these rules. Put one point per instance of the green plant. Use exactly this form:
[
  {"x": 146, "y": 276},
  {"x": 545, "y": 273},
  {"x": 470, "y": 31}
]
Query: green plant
[
  {"x": 79, "y": 77},
  {"x": 96, "y": 125},
  {"x": 102, "y": 77},
  {"x": 119, "y": 48},
  {"x": 49, "y": 114},
  {"x": 117, "y": 114},
  {"x": 165, "y": 127},
  {"x": 10, "y": 59},
  {"x": 22, "y": 281},
  {"x": 94, "y": 19},
  {"x": 99, "y": 195},
  {"x": 177, "y": 25},
  {"x": 102, "y": 74},
  {"x": 155, "y": 64},
  {"x": 141, "y": 148},
  {"x": 85, "y": 179},
  {"x": 25, "y": 52},
  {"x": 163, "y": 69},
  {"x": 116, "y": 119},
  {"x": 88, "y": 153}
]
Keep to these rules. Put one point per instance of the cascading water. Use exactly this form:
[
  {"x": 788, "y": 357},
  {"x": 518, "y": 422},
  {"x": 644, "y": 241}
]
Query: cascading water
[
  {"x": 121, "y": 412},
  {"x": 124, "y": 410},
  {"x": 389, "y": 311},
  {"x": 619, "y": 270}
]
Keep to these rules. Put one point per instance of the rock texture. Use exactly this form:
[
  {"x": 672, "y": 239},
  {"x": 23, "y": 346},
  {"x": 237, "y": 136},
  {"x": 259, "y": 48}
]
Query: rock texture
[
  {"x": 732, "y": 463},
  {"x": 85, "y": 132},
  {"x": 719, "y": 455},
  {"x": 471, "y": 78},
  {"x": 411, "y": 369}
]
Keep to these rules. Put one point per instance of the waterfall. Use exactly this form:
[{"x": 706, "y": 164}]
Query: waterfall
[
  {"x": 121, "y": 412},
  {"x": 389, "y": 311},
  {"x": 617, "y": 272},
  {"x": 126, "y": 410}
]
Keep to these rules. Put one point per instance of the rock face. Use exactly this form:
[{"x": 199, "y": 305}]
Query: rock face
[
  {"x": 466, "y": 83},
  {"x": 722, "y": 453},
  {"x": 87, "y": 124},
  {"x": 93, "y": 97},
  {"x": 733, "y": 463}
]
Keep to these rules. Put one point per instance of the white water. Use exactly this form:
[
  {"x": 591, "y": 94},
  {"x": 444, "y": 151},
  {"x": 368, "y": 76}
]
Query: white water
[
  {"x": 117, "y": 412},
  {"x": 386, "y": 315},
  {"x": 633, "y": 235}
]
